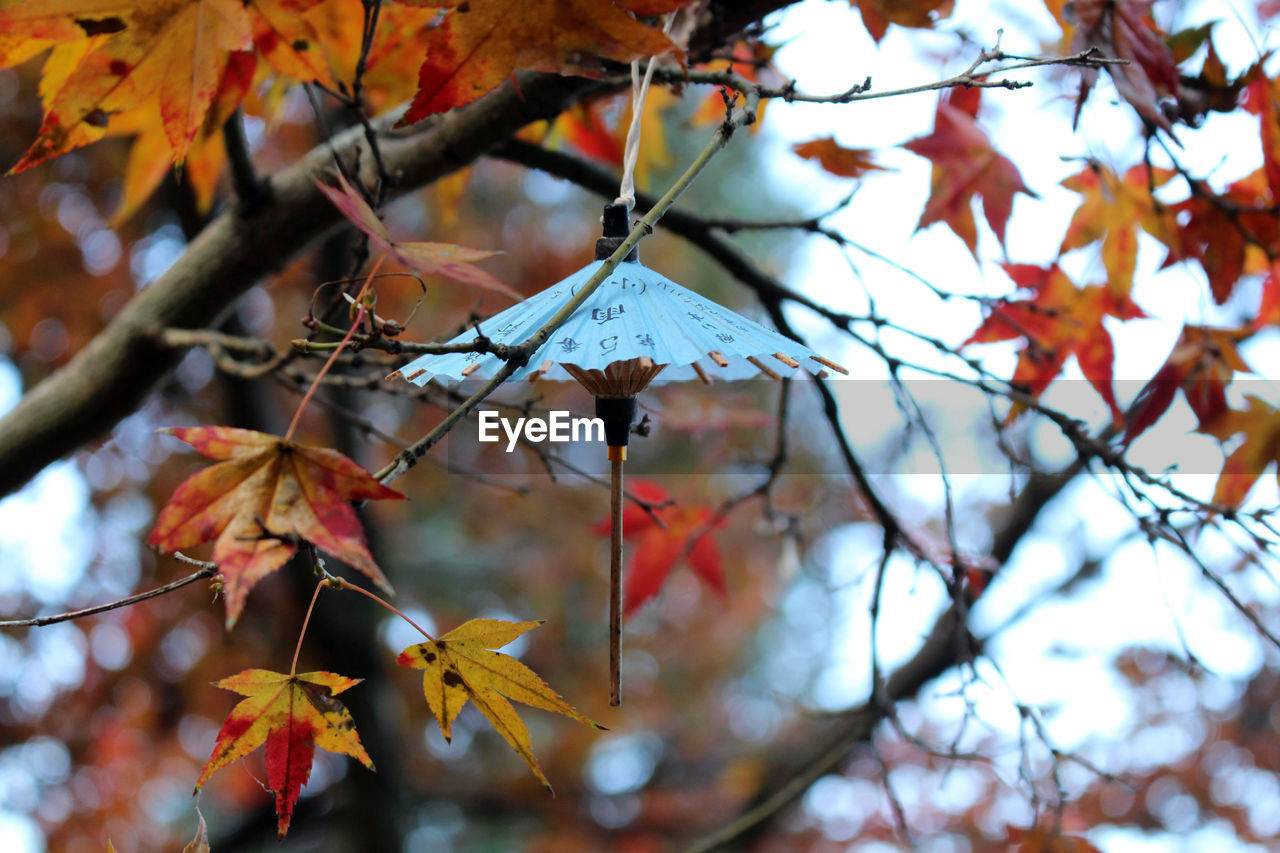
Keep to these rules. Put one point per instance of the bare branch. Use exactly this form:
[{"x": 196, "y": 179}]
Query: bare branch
[{"x": 206, "y": 570}]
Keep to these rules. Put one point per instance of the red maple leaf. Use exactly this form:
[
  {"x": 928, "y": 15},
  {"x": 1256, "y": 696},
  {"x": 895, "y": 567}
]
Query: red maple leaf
[
  {"x": 965, "y": 166},
  {"x": 446, "y": 259},
  {"x": 1058, "y": 321},
  {"x": 662, "y": 538},
  {"x": 1262, "y": 98},
  {"x": 877, "y": 15},
  {"x": 1201, "y": 366}
]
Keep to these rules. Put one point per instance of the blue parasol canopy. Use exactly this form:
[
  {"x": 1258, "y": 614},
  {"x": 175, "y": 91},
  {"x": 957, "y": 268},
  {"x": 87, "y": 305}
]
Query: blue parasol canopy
[{"x": 636, "y": 315}]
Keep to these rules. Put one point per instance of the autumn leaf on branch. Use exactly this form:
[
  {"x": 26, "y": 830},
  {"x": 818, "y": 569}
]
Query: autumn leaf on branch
[
  {"x": 1201, "y": 366},
  {"x": 661, "y": 539},
  {"x": 1058, "y": 321},
  {"x": 1112, "y": 211},
  {"x": 838, "y": 160},
  {"x": 149, "y": 155},
  {"x": 1216, "y": 230},
  {"x": 446, "y": 259},
  {"x": 482, "y": 42},
  {"x": 292, "y": 715},
  {"x": 462, "y": 666},
  {"x": 263, "y": 496},
  {"x": 965, "y": 166},
  {"x": 1260, "y": 423},
  {"x": 176, "y": 50},
  {"x": 1124, "y": 29}
]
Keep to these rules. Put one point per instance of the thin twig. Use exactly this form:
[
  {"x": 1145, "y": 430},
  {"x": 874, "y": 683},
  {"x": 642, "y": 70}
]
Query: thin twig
[
  {"x": 970, "y": 78},
  {"x": 206, "y": 570}
]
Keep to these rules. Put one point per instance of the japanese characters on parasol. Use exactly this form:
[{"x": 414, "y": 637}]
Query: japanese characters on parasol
[{"x": 638, "y": 326}]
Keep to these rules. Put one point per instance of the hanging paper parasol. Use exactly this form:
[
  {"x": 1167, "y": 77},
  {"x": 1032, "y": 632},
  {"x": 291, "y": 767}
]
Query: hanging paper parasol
[{"x": 637, "y": 327}]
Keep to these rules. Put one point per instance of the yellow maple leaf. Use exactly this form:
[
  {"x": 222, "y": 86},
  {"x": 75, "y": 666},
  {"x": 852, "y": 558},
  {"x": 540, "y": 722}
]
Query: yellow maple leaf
[
  {"x": 291, "y": 715},
  {"x": 174, "y": 50},
  {"x": 461, "y": 666}
]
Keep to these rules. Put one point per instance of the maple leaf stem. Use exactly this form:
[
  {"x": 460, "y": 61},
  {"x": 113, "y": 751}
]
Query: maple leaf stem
[
  {"x": 342, "y": 584},
  {"x": 293, "y": 667},
  {"x": 355, "y": 324}
]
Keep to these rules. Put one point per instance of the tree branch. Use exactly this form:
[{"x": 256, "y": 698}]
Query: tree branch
[{"x": 206, "y": 570}]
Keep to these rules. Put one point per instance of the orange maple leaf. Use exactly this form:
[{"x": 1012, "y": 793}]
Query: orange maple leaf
[
  {"x": 877, "y": 15},
  {"x": 1112, "y": 211},
  {"x": 965, "y": 166},
  {"x": 150, "y": 154},
  {"x": 256, "y": 504},
  {"x": 446, "y": 259},
  {"x": 292, "y": 715},
  {"x": 176, "y": 50},
  {"x": 462, "y": 666},
  {"x": 1260, "y": 423},
  {"x": 838, "y": 160},
  {"x": 677, "y": 531},
  {"x": 393, "y": 59},
  {"x": 482, "y": 42},
  {"x": 1060, "y": 320}
]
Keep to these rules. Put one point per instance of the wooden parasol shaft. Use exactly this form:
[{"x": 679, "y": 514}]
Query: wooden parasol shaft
[{"x": 615, "y": 575}]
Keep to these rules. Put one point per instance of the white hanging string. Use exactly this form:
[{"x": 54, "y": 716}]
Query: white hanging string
[{"x": 631, "y": 151}]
